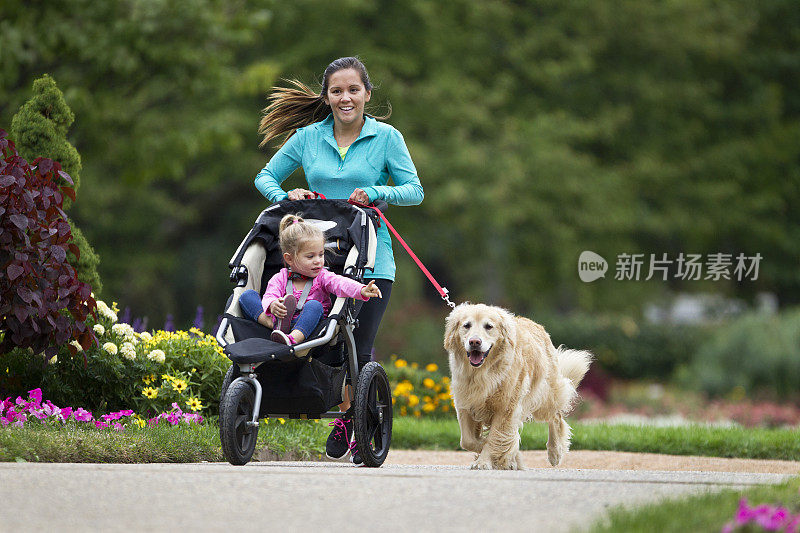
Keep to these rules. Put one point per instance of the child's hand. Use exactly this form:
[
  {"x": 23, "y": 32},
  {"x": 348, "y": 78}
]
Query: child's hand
[
  {"x": 371, "y": 290},
  {"x": 277, "y": 308}
]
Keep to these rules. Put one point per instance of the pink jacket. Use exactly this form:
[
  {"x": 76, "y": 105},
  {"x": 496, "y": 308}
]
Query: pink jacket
[{"x": 325, "y": 283}]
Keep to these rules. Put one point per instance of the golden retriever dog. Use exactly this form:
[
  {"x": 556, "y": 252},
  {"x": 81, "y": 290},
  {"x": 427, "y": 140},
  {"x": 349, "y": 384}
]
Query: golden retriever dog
[{"x": 505, "y": 371}]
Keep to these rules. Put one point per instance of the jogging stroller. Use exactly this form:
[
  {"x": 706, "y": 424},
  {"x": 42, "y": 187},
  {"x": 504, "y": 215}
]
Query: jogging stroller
[{"x": 306, "y": 380}]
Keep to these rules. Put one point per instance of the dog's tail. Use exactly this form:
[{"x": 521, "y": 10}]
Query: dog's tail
[{"x": 573, "y": 363}]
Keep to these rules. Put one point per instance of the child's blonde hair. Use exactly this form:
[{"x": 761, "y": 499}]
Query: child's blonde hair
[{"x": 294, "y": 232}]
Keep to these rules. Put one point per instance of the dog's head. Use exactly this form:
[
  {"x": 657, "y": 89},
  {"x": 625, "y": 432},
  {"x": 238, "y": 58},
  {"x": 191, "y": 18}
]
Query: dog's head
[{"x": 472, "y": 331}]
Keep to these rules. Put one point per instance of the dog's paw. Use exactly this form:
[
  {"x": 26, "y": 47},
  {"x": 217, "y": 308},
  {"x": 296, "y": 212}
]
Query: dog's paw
[
  {"x": 510, "y": 462},
  {"x": 481, "y": 463},
  {"x": 554, "y": 455}
]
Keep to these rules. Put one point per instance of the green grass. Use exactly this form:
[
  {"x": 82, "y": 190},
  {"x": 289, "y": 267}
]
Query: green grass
[
  {"x": 752, "y": 443},
  {"x": 709, "y": 512},
  {"x": 160, "y": 444}
]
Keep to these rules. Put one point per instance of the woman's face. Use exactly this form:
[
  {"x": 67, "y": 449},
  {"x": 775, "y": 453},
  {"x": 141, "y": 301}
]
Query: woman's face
[{"x": 347, "y": 96}]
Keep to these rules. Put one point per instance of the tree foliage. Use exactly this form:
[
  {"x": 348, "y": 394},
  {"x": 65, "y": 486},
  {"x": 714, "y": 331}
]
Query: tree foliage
[
  {"x": 40, "y": 127},
  {"x": 540, "y": 129},
  {"x": 42, "y": 303}
]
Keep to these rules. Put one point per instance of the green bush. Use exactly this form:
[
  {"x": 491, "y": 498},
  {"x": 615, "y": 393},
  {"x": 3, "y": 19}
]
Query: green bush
[
  {"x": 756, "y": 354},
  {"x": 40, "y": 129},
  {"x": 127, "y": 370},
  {"x": 626, "y": 348}
]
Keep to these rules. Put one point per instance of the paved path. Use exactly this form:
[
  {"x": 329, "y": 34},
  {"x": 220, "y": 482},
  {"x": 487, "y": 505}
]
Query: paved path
[{"x": 317, "y": 496}]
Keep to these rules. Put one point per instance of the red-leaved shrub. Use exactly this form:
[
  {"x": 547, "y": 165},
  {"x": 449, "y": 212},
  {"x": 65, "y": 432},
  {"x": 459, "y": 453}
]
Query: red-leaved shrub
[{"x": 42, "y": 303}]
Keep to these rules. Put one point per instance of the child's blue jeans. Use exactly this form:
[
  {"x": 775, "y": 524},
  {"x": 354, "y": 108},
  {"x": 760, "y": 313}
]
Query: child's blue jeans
[{"x": 305, "y": 321}]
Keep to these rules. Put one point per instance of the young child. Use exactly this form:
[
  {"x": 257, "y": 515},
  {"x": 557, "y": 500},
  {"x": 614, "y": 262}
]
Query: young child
[{"x": 303, "y": 247}]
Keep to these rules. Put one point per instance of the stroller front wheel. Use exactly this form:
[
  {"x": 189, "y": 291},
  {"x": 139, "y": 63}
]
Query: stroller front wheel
[
  {"x": 373, "y": 414},
  {"x": 238, "y": 436}
]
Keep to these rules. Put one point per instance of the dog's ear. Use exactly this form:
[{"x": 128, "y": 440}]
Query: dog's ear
[
  {"x": 451, "y": 323},
  {"x": 507, "y": 326}
]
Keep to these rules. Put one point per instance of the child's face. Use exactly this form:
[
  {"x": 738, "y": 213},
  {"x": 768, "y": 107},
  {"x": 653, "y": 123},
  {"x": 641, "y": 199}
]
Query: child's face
[{"x": 309, "y": 260}]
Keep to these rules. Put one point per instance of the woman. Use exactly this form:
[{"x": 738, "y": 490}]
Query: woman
[{"x": 344, "y": 154}]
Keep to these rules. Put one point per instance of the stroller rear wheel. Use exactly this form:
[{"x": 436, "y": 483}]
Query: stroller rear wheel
[
  {"x": 373, "y": 414},
  {"x": 237, "y": 434}
]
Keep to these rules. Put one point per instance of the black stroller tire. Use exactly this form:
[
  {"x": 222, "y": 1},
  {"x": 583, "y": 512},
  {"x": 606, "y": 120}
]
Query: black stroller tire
[
  {"x": 238, "y": 437},
  {"x": 373, "y": 414},
  {"x": 232, "y": 373}
]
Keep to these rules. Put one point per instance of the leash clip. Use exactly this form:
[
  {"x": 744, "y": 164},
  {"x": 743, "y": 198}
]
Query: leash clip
[{"x": 446, "y": 298}]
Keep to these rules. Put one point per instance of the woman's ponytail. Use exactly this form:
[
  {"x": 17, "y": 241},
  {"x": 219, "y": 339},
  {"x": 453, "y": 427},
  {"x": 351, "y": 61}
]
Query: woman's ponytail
[{"x": 291, "y": 108}]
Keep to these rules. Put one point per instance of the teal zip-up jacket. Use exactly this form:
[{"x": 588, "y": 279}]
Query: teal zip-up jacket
[{"x": 379, "y": 153}]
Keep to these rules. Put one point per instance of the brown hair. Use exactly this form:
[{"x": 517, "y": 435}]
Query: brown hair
[
  {"x": 294, "y": 232},
  {"x": 293, "y": 108}
]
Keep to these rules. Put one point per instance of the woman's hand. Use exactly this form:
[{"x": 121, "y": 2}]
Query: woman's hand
[
  {"x": 277, "y": 308},
  {"x": 359, "y": 196},
  {"x": 301, "y": 194},
  {"x": 371, "y": 290}
]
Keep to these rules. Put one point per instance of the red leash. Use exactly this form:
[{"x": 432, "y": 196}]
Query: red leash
[{"x": 443, "y": 292}]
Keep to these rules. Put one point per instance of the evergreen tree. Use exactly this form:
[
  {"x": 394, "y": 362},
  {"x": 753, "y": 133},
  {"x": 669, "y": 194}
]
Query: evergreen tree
[{"x": 40, "y": 130}]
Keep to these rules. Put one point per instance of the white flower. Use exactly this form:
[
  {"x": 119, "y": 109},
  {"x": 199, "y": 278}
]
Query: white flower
[
  {"x": 106, "y": 311},
  {"x": 145, "y": 336},
  {"x": 110, "y": 347},
  {"x": 157, "y": 355},
  {"x": 53, "y": 359},
  {"x": 99, "y": 329},
  {"x": 77, "y": 345},
  {"x": 122, "y": 329},
  {"x": 128, "y": 351}
]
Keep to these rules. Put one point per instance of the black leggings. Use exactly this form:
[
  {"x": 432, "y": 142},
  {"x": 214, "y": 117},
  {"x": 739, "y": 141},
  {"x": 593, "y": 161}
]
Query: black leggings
[{"x": 369, "y": 318}]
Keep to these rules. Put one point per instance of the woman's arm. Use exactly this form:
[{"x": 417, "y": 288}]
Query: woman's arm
[
  {"x": 282, "y": 164},
  {"x": 407, "y": 188}
]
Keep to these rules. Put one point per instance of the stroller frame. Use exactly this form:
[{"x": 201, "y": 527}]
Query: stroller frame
[{"x": 242, "y": 393}]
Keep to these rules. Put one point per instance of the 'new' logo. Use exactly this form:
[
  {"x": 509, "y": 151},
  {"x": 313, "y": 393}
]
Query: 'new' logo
[{"x": 591, "y": 266}]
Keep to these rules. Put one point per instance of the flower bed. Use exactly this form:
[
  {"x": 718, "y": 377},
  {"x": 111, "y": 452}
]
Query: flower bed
[
  {"x": 33, "y": 409},
  {"x": 419, "y": 391},
  {"x": 147, "y": 372}
]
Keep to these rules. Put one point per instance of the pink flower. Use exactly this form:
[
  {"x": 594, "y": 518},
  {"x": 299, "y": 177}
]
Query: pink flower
[
  {"x": 65, "y": 413},
  {"x": 82, "y": 415},
  {"x": 118, "y": 426},
  {"x": 100, "y": 424},
  {"x": 35, "y": 395}
]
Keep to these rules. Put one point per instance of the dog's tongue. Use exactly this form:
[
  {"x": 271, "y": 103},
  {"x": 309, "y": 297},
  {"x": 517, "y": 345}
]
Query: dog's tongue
[{"x": 475, "y": 357}]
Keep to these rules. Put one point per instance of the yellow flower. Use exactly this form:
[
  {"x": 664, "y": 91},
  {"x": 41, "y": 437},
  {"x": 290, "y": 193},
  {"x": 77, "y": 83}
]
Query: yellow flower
[
  {"x": 429, "y": 383},
  {"x": 428, "y": 407},
  {"x": 443, "y": 396},
  {"x": 150, "y": 392},
  {"x": 400, "y": 363},
  {"x": 414, "y": 366},
  {"x": 417, "y": 413},
  {"x": 403, "y": 411},
  {"x": 432, "y": 367},
  {"x": 445, "y": 380},
  {"x": 139, "y": 421},
  {"x": 445, "y": 407},
  {"x": 281, "y": 420},
  {"x": 148, "y": 379},
  {"x": 194, "y": 404},
  {"x": 413, "y": 400},
  {"x": 179, "y": 385}
]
